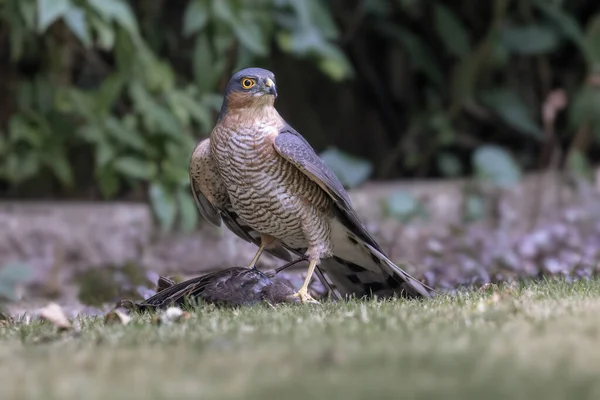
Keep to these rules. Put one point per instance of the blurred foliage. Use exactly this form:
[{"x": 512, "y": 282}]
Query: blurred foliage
[
  {"x": 107, "y": 98},
  {"x": 351, "y": 171}
]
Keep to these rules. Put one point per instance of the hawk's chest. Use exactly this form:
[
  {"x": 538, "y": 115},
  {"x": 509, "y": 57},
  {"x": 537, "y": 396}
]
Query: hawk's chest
[{"x": 246, "y": 156}]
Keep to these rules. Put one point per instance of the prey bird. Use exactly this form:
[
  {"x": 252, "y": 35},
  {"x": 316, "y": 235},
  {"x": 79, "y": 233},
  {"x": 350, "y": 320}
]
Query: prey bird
[
  {"x": 266, "y": 183},
  {"x": 232, "y": 287}
]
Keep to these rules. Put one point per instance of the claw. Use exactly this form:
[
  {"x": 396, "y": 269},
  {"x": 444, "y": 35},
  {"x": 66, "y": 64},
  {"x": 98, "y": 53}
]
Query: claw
[
  {"x": 304, "y": 297},
  {"x": 302, "y": 293}
]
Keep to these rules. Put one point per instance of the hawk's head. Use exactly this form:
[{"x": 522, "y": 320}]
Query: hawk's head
[{"x": 250, "y": 87}]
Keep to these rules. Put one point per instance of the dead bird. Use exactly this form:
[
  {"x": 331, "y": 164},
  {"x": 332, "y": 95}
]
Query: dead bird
[{"x": 231, "y": 287}]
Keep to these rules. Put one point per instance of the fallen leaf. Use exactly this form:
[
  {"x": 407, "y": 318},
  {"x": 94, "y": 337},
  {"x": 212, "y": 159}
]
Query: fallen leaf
[
  {"x": 171, "y": 315},
  {"x": 54, "y": 314},
  {"x": 488, "y": 286},
  {"x": 116, "y": 316}
]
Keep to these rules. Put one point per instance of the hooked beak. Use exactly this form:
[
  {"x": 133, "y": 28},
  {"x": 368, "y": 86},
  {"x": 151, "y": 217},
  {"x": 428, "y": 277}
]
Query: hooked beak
[{"x": 270, "y": 87}]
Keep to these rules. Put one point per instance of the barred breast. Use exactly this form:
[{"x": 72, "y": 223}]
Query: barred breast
[{"x": 270, "y": 194}]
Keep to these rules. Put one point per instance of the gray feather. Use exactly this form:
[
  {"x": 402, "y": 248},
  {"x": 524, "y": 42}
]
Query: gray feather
[
  {"x": 295, "y": 149},
  {"x": 359, "y": 265},
  {"x": 206, "y": 208}
]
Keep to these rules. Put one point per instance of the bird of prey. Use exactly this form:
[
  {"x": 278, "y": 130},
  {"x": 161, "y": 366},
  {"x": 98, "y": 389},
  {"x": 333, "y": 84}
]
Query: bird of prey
[
  {"x": 232, "y": 287},
  {"x": 266, "y": 183}
]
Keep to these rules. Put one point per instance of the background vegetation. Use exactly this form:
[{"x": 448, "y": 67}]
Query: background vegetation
[{"x": 105, "y": 99}]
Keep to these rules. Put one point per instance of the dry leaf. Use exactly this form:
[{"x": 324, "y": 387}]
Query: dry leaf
[
  {"x": 488, "y": 286},
  {"x": 55, "y": 315},
  {"x": 117, "y": 316},
  {"x": 171, "y": 315}
]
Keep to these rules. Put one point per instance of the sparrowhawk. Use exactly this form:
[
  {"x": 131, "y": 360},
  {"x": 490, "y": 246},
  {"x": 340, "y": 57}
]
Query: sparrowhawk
[{"x": 266, "y": 183}]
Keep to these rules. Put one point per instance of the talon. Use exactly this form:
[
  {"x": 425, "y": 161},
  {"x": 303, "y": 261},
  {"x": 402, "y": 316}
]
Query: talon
[
  {"x": 304, "y": 297},
  {"x": 302, "y": 293}
]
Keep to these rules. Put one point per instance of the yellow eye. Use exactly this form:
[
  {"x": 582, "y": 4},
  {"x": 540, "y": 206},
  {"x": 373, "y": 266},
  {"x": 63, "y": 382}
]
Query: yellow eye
[{"x": 247, "y": 83}]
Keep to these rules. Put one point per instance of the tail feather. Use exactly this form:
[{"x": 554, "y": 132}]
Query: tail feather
[{"x": 357, "y": 268}]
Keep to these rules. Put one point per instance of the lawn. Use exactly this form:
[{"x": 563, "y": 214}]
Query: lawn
[{"x": 537, "y": 340}]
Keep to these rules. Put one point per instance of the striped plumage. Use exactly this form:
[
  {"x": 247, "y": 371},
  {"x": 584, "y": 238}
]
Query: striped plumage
[
  {"x": 269, "y": 194},
  {"x": 277, "y": 191}
]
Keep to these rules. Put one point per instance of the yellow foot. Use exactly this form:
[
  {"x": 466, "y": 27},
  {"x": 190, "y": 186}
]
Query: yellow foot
[{"x": 303, "y": 297}]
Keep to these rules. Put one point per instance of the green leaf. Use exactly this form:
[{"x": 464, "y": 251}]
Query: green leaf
[
  {"x": 441, "y": 124},
  {"x": 512, "y": 109},
  {"x": 21, "y": 130},
  {"x": 176, "y": 170},
  {"x": 578, "y": 163},
  {"x": 108, "y": 182},
  {"x": 566, "y": 22},
  {"x": 584, "y": 109},
  {"x": 592, "y": 44},
  {"x": 24, "y": 95},
  {"x": 183, "y": 102},
  {"x": 105, "y": 152},
  {"x": 251, "y": 37},
  {"x": 494, "y": 164},
  {"x": 335, "y": 64},
  {"x": 248, "y": 33},
  {"x": 49, "y": 11},
  {"x": 116, "y": 10},
  {"x": 20, "y": 168},
  {"x": 207, "y": 68},
  {"x": 156, "y": 118},
  {"x": 17, "y": 38},
  {"x": 164, "y": 205},
  {"x": 417, "y": 50},
  {"x": 3, "y": 144},
  {"x": 449, "y": 165},
  {"x": 75, "y": 20},
  {"x": 351, "y": 171},
  {"x": 11, "y": 275},
  {"x": 71, "y": 100},
  {"x": 119, "y": 132},
  {"x": 195, "y": 17},
  {"x": 105, "y": 33},
  {"x": 188, "y": 213},
  {"x": 530, "y": 39},
  {"x": 28, "y": 12},
  {"x": 44, "y": 94},
  {"x": 135, "y": 168},
  {"x": 451, "y": 30},
  {"x": 321, "y": 17},
  {"x": 61, "y": 168},
  {"x": 109, "y": 92}
]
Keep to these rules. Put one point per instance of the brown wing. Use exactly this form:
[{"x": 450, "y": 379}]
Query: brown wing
[
  {"x": 213, "y": 201},
  {"x": 295, "y": 149},
  {"x": 372, "y": 272},
  {"x": 233, "y": 286},
  {"x": 207, "y": 188}
]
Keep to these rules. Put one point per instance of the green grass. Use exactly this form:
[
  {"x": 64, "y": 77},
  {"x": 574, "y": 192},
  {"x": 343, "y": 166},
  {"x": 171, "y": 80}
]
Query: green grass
[{"x": 540, "y": 340}]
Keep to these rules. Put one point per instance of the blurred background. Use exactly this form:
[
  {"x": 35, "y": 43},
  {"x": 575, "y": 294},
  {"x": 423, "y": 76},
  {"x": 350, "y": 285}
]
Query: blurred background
[{"x": 483, "y": 110}]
